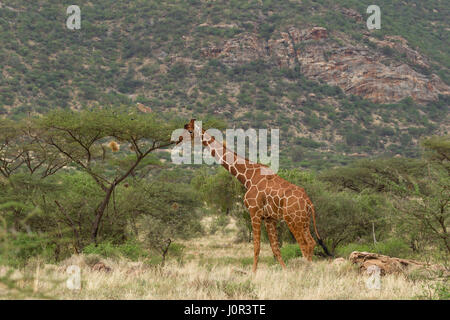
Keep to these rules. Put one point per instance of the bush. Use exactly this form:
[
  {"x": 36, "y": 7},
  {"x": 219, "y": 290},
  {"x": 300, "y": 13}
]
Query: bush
[
  {"x": 393, "y": 248},
  {"x": 23, "y": 246},
  {"x": 290, "y": 251},
  {"x": 355, "y": 139},
  {"x": 156, "y": 259},
  {"x": 130, "y": 250},
  {"x": 344, "y": 251},
  {"x": 176, "y": 250},
  {"x": 309, "y": 143},
  {"x": 388, "y": 51},
  {"x": 219, "y": 223},
  {"x": 442, "y": 291},
  {"x": 104, "y": 249}
]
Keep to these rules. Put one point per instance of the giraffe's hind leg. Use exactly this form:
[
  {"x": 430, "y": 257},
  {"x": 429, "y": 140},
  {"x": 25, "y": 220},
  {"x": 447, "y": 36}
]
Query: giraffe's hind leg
[
  {"x": 300, "y": 232},
  {"x": 300, "y": 237},
  {"x": 310, "y": 243},
  {"x": 271, "y": 227}
]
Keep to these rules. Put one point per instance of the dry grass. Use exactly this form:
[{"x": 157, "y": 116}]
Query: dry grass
[{"x": 213, "y": 267}]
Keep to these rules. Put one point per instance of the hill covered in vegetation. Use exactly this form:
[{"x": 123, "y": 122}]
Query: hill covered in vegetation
[{"x": 334, "y": 88}]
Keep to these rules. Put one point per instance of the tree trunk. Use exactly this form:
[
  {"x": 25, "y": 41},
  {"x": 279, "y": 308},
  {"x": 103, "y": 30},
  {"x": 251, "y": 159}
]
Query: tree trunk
[
  {"x": 164, "y": 252},
  {"x": 373, "y": 234},
  {"x": 101, "y": 208},
  {"x": 99, "y": 212},
  {"x": 77, "y": 244}
]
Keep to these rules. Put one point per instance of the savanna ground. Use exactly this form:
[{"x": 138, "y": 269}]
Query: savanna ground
[{"x": 213, "y": 266}]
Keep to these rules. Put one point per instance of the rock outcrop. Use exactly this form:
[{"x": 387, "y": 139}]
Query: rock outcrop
[
  {"x": 245, "y": 48},
  {"x": 360, "y": 71},
  {"x": 356, "y": 69},
  {"x": 400, "y": 45},
  {"x": 352, "y": 14},
  {"x": 386, "y": 264}
]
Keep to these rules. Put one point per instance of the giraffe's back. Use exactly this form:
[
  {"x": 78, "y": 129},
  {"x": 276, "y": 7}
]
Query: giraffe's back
[{"x": 282, "y": 197}]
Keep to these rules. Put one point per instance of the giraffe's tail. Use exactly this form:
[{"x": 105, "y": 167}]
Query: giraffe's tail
[{"x": 319, "y": 240}]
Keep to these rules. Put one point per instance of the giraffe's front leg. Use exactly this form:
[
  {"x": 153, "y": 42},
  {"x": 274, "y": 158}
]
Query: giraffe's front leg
[
  {"x": 256, "y": 227},
  {"x": 271, "y": 227},
  {"x": 253, "y": 201}
]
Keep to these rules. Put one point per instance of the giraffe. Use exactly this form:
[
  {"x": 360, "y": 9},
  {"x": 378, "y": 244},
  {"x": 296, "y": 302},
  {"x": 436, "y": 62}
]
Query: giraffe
[{"x": 268, "y": 198}]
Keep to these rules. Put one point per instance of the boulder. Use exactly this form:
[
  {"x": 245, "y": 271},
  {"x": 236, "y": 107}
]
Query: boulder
[{"x": 386, "y": 264}]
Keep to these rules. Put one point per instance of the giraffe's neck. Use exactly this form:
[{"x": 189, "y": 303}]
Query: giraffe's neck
[{"x": 238, "y": 166}]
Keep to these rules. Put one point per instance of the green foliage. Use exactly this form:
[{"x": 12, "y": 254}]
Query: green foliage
[
  {"x": 417, "y": 198},
  {"x": 368, "y": 173},
  {"x": 391, "y": 247},
  {"x": 290, "y": 251},
  {"x": 65, "y": 182},
  {"x": 344, "y": 218},
  {"x": 104, "y": 249},
  {"x": 22, "y": 246},
  {"x": 341, "y": 216},
  {"x": 244, "y": 224},
  {"x": 220, "y": 190},
  {"x": 219, "y": 223},
  {"x": 437, "y": 286},
  {"x": 131, "y": 250},
  {"x": 306, "y": 142},
  {"x": 161, "y": 211},
  {"x": 441, "y": 291}
]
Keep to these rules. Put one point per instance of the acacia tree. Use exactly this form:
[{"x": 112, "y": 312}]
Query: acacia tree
[
  {"x": 427, "y": 204},
  {"x": 342, "y": 216},
  {"x": 10, "y": 153},
  {"x": 82, "y": 138},
  {"x": 419, "y": 190},
  {"x": 161, "y": 210},
  {"x": 21, "y": 148}
]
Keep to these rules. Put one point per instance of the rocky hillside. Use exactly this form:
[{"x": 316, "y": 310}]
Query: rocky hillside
[
  {"x": 311, "y": 68},
  {"x": 355, "y": 68}
]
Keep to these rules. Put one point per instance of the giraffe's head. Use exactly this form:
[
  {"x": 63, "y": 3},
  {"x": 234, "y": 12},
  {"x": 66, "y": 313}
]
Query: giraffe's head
[{"x": 190, "y": 129}]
